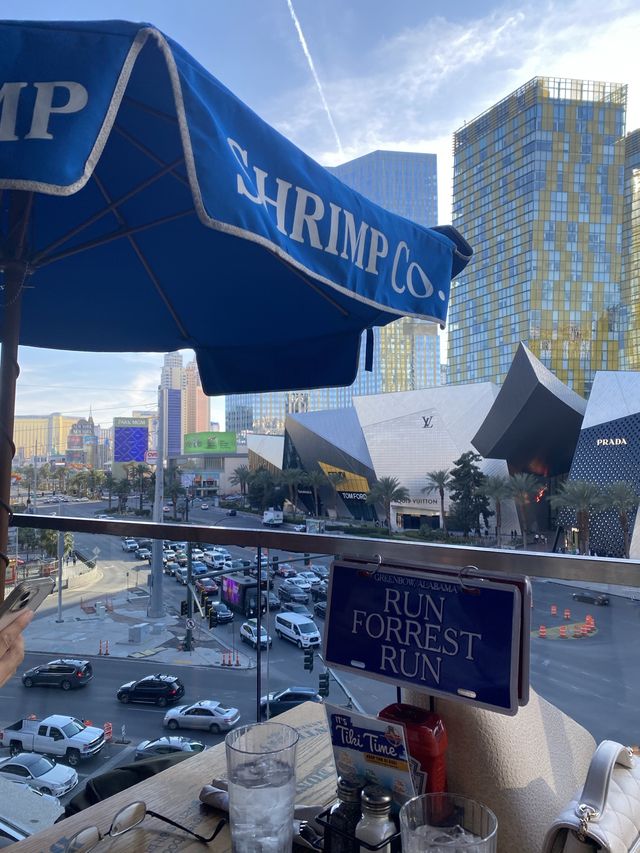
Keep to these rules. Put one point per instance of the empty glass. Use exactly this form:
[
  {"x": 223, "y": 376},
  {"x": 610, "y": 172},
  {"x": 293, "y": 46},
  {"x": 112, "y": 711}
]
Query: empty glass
[{"x": 447, "y": 823}]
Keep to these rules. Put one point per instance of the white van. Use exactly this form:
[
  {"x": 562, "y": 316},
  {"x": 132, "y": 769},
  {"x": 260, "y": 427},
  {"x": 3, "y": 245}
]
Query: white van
[{"x": 298, "y": 628}]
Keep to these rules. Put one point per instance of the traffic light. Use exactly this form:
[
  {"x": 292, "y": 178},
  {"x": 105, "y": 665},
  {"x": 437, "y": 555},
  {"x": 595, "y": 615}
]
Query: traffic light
[
  {"x": 203, "y": 599},
  {"x": 213, "y": 618},
  {"x": 308, "y": 659},
  {"x": 183, "y": 608},
  {"x": 323, "y": 684}
]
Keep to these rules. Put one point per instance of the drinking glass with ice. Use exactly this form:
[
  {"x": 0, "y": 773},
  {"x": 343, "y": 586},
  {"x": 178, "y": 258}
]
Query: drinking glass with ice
[
  {"x": 447, "y": 823},
  {"x": 261, "y": 762}
]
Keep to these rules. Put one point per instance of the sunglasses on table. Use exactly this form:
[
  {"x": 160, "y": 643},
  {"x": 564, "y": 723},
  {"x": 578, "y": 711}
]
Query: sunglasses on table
[{"x": 128, "y": 818}]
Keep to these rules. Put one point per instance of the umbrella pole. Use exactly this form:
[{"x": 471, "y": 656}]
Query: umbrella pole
[{"x": 15, "y": 272}]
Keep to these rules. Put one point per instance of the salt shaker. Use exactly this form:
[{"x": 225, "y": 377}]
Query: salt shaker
[
  {"x": 375, "y": 825},
  {"x": 344, "y": 816}
]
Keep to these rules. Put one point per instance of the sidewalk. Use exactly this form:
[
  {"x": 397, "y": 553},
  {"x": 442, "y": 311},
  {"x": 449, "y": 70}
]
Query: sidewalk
[{"x": 84, "y": 633}]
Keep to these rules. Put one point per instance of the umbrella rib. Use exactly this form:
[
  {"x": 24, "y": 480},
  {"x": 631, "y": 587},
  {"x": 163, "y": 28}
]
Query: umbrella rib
[
  {"x": 147, "y": 109},
  {"x": 109, "y": 209},
  {"x": 147, "y": 152},
  {"x": 143, "y": 261},
  {"x": 109, "y": 238}
]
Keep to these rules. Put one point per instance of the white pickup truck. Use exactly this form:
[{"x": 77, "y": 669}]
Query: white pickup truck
[{"x": 57, "y": 734}]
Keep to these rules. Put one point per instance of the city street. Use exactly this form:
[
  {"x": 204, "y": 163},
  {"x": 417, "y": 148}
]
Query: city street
[{"x": 589, "y": 678}]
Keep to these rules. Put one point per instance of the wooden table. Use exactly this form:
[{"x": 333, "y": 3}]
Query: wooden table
[{"x": 174, "y": 793}]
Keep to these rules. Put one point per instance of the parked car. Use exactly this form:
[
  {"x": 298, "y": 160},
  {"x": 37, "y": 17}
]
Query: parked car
[
  {"x": 207, "y": 714},
  {"x": 274, "y": 601},
  {"x": 166, "y": 746},
  {"x": 299, "y": 528},
  {"x": 156, "y": 689},
  {"x": 249, "y": 634},
  {"x": 288, "y": 591},
  {"x": 591, "y": 598},
  {"x": 40, "y": 773},
  {"x": 223, "y": 613},
  {"x": 321, "y": 571},
  {"x": 65, "y": 673},
  {"x": 285, "y": 570},
  {"x": 311, "y": 577},
  {"x": 320, "y": 609},
  {"x": 319, "y": 592},
  {"x": 207, "y": 585},
  {"x": 198, "y": 569},
  {"x": 301, "y": 582},
  {"x": 204, "y": 506},
  {"x": 284, "y": 700},
  {"x": 302, "y": 609},
  {"x": 232, "y": 512}
]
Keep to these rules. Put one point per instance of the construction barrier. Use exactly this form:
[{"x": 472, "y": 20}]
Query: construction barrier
[
  {"x": 554, "y": 609},
  {"x": 100, "y": 650},
  {"x": 237, "y": 658},
  {"x": 108, "y": 731},
  {"x": 577, "y": 631},
  {"x": 563, "y": 632},
  {"x": 567, "y": 613},
  {"x": 106, "y": 647},
  {"x": 584, "y": 629},
  {"x": 542, "y": 632}
]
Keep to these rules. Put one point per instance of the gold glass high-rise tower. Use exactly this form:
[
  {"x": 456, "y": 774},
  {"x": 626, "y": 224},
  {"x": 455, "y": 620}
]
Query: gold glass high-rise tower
[{"x": 538, "y": 192}]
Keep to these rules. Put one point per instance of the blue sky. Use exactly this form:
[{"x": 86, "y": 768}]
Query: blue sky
[{"x": 352, "y": 77}]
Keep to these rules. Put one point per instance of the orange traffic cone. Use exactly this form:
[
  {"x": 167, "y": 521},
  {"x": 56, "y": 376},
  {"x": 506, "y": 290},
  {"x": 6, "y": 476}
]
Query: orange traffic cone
[
  {"x": 567, "y": 613},
  {"x": 106, "y": 647},
  {"x": 563, "y": 632},
  {"x": 237, "y": 658},
  {"x": 554, "y": 609},
  {"x": 100, "y": 650},
  {"x": 584, "y": 629},
  {"x": 542, "y": 632}
]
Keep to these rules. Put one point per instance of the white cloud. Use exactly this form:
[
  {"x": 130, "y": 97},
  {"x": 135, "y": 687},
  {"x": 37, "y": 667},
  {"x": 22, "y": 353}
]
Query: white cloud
[{"x": 422, "y": 84}]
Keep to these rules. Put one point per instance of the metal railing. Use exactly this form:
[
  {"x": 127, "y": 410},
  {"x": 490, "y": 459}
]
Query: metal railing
[{"x": 538, "y": 565}]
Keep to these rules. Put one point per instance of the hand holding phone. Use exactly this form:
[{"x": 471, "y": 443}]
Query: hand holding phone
[
  {"x": 27, "y": 595},
  {"x": 16, "y": 611}
]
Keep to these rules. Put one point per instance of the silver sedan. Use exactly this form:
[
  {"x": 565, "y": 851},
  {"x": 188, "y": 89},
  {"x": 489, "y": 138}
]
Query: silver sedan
[{"x": 206, "y": 714}]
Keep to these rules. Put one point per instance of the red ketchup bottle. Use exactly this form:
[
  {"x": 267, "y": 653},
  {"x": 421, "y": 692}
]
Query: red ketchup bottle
[{"x": 426, "y": 742}]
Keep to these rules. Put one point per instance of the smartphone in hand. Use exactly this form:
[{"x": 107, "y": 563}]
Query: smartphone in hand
[{"x": 27, "y": 595}]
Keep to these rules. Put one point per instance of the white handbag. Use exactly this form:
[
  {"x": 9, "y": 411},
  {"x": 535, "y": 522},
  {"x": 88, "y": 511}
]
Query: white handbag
[{"x": 606, "y": 816}]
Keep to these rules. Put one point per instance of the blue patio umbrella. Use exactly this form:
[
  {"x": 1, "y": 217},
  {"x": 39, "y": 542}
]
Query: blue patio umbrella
[{"x": 132, "y": 179}]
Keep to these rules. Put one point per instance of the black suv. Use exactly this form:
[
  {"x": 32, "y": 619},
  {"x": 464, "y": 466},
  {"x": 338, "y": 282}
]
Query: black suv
[
  {"x": 156, "y": 689},
  {"x": 291, "y": 592},
  {"x": 66, "y": 673}
]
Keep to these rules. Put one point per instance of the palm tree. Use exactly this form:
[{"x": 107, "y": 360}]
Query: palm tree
[
  {"x": 315, "y": 480},
  {"x": 291, "y": 478},
  {"x": 498, "y": 489},
  {"x": 623, "y": 498},
  {"x": 523, "y": 487},
  {"x": 141, "y": 471},
  {"x": 109, "y": 484},
  {"x": 241, "y": 477},
  {"x": 122, "y": 490},
  {"x": 582, "y": 496},
  {"x": 438, "y": 481},
  {"x": 387, "y": 490}
]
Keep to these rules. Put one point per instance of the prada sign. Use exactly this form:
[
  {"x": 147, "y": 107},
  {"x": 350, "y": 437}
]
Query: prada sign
[{"x": 610, "y": 442}]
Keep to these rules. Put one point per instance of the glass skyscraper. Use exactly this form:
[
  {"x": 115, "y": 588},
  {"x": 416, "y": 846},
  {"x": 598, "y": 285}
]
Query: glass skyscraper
[
  {"x": 406, "y": 353},
  {"x": 538, "y": 193},
  {"x": 631, "y": 253}
]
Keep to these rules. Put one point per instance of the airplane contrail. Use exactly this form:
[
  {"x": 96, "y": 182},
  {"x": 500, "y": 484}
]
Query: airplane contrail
[{"x": 303, "y": 44}]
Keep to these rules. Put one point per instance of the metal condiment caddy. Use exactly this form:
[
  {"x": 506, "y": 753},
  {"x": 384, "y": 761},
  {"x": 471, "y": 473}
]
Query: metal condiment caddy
[{"x": 393, "y": 840}]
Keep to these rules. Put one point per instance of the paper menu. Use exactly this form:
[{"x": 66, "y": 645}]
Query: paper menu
[{"x": 369, "y": 751}]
